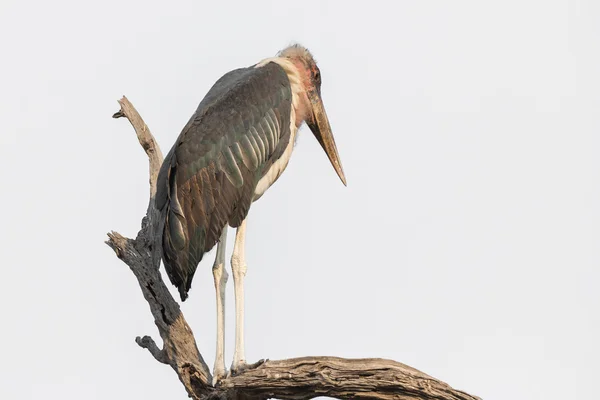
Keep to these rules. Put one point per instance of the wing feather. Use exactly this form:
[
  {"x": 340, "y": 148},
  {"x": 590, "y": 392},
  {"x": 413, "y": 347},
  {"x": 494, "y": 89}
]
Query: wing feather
[
  {"x": 209, "y": 177},
  {"x": 262, "y": 150}
]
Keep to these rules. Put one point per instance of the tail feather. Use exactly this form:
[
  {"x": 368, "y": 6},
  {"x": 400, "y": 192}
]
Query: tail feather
[
  {"x": 182, "y": 239},
  {"x": 180, "y": 263}
]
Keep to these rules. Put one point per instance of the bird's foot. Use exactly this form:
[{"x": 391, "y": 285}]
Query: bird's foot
[
  {"x": 219, "y": 374},
  {"x": 241, "y": 366}
]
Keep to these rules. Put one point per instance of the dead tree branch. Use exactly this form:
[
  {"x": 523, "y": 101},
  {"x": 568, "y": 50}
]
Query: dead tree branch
[
  {"x": 298, "y": 378},
  {"x": 308, "y": 377}
]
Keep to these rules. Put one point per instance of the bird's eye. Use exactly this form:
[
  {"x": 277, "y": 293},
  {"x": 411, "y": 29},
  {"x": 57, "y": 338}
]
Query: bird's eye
[{"x": 318, "y": 77}]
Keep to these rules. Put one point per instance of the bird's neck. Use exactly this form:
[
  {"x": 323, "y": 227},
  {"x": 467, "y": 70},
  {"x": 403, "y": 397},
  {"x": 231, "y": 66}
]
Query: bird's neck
[{"x": 299, "y": 98}]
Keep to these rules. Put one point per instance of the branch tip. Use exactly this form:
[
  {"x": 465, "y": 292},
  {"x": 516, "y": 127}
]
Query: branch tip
[{"x": 148, "y": 343}]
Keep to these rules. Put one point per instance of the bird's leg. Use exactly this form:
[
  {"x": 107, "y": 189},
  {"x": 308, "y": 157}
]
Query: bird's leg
[
  {"x": 238, "y": 267},
  {"x": 221, "y": 276}
]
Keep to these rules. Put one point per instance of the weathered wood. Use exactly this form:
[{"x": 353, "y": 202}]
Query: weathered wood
[
  {"x": 372, "y": 378},
  {"x": 145, "y": 138},
  {"x": 142, "y": 255},
  {"x": 297, "y": 378}
]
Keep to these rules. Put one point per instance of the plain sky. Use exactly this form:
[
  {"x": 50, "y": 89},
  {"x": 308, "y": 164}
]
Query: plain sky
[{"x": 466, "y": 242}]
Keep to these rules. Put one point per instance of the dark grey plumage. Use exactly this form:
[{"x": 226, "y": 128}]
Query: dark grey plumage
[{"x": 208, "y": 178}]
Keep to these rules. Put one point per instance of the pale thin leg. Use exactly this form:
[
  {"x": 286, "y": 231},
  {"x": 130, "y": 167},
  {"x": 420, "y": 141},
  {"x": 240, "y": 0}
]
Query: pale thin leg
[
  {"x": 221, "y": 277},
  {"x": 238, "y": 267}
]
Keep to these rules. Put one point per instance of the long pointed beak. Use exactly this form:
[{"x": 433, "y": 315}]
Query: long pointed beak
[{"x": 322, "y": 130}]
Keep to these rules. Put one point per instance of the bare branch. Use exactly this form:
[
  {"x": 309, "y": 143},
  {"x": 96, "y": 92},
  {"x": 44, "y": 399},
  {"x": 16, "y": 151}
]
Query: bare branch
[
  {"x": 148, "y": 343},
  {"x": 145, "y": 138},
  {"x": 142, "y": 255},
  {"x": 308, "y": 377},
  {"x": 298, "y": 378}
]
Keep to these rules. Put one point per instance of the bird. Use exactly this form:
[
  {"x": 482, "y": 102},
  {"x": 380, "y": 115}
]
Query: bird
[{"x": 233, "y": 148}]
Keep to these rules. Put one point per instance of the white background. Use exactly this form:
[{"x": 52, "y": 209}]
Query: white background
[{"x": 466, "y": 242}]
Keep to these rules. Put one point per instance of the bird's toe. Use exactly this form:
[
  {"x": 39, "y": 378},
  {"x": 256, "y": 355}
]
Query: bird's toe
[
  {"x": 242, "y": 366},
  {"x": 218, "y": 375}
]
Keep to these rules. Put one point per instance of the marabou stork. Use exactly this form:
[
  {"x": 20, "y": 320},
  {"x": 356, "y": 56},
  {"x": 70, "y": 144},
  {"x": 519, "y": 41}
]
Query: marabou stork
[{"x": 234, "y": 147}]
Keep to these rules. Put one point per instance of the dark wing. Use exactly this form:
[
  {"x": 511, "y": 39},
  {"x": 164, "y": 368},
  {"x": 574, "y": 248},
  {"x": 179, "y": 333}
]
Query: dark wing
[{"x": 208, "y": 178}]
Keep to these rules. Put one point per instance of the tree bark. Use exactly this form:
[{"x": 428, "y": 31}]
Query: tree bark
[{"x": 297, "y": 378}]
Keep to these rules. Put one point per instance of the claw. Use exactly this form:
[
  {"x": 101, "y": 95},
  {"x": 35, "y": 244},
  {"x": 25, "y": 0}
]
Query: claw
[{"x": 242, "y": 366}]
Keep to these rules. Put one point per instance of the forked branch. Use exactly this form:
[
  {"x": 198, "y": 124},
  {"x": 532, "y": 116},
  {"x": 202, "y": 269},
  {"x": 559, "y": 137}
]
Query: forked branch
[{"x": 298, "y": 378}]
